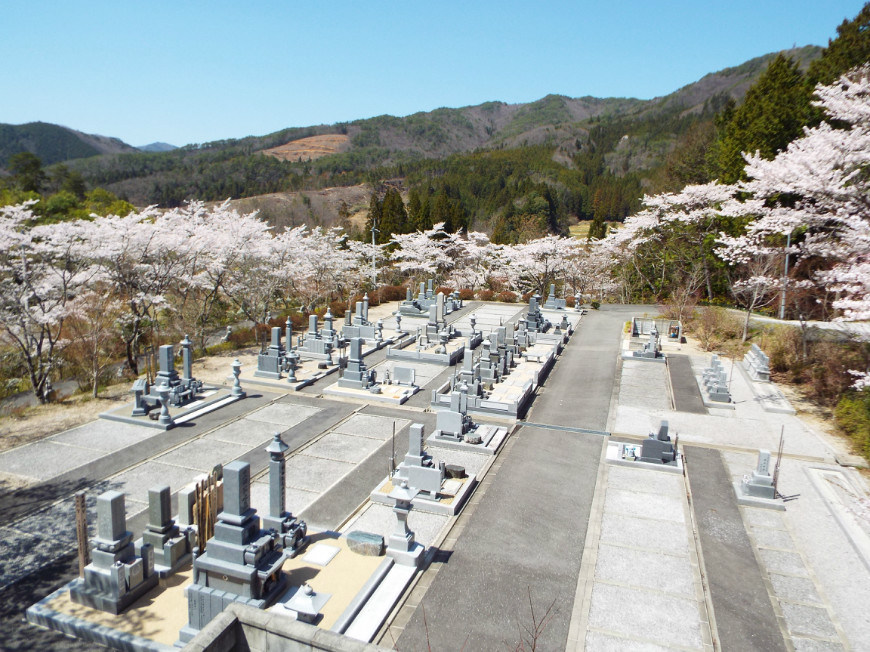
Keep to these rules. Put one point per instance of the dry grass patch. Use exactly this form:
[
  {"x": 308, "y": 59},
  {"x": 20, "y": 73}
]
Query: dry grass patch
[{"x": 26, "y": 425}]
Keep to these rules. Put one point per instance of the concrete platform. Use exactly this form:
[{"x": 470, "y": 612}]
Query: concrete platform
[
  {"x": 550, "y": 518},
  {"x": 614, "y": 458},
  {"x": 151, "y": 624},
  {"x": 756, "y": 501},
  {"x": 767, "y": 394},
  {"x": 392, "y": 394},
  {"x": 211, "y": 399},
  {"x": 489, "y": 445},
  {"x": 444, "y": 505}
]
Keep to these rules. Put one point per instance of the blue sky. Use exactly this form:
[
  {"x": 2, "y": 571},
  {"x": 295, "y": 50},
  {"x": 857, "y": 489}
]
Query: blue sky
[{"x": 191, "y": 72}]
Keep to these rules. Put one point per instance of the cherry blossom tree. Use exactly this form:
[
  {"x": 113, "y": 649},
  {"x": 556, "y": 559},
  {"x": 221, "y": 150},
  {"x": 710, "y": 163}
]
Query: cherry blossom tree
[
  {"x": 818, "y": 190},
  {"x": 319, "y": 266},
  {"x": 257, "y": 277},
  {"x": 669, "y": 245},
  {"x": 477, "y": 261},
  {"x": 90, "y": 338},
  {"x": 589, "y": 270},
  {"x": 142, "y": 256},
  {"x": 217, "y": 237},
  {"x": 422, "y": 253},
  {"x": 535, "y": 264},
  {"x": 41, "y": 269},
  {"x": 365, "y": 258}
]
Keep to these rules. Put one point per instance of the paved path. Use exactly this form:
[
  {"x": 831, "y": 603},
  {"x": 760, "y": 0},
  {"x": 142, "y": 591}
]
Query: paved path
[
  {"x": 744, "y": 616},
  {"x": 687, "y": 396},
  {"x": 579, "y": 390},
  {"x": 522, "y": 546}
]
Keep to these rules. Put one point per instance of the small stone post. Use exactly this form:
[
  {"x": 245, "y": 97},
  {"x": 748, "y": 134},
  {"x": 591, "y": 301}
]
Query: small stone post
[
  {"x": 292, "y": 362},
  {"x": 237, "y": 386},
  {"x": 277, "y": 471},
  {"x": 165, "y": 419}
]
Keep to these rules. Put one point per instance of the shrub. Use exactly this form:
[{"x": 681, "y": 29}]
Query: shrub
[
  {"x": 466, "y": 295},
  {"x": 508, "y": 297},
  {"x": 713, "y": 326},
  {"x": 443, "y": 290},
  {"x": 783, "y": 346},
  {"x": 391, "y": 293},
  {"x": 338, "y": 308},
  {"x": 241, "y": 337},
  {"x": 853, "y": 416},
  {"x": 595, "y": 305},
  {"x": 527, "y": 296},
  {"x": 485, "y": 295},
  {"x": 569, "y": 301},
  {"x": 221, "y": 347}
]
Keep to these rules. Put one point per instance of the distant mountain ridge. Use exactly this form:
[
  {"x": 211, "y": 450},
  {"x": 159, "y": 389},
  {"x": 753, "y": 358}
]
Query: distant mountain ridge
[
  {"x": 54, "y": 143},
  {"x": 236, "y": 167},
  {"x": 157, "y": 147}
]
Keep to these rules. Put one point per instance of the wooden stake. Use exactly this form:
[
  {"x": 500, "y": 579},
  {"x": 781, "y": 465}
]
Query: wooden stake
[{"x": 82, "y": 532}]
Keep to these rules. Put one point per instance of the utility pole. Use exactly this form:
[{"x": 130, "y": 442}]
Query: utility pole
[
  {"x": 785, "y": 277},
  {"x": 374, "y": 254}
]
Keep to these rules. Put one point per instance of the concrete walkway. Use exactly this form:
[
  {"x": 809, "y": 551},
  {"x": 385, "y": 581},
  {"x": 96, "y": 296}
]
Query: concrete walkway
[
  {"x": 515, "y": 565},
  {"x": 744, "y": 616}
]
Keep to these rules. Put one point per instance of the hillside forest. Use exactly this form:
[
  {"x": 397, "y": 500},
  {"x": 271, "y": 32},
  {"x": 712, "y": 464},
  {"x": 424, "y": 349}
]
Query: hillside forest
[{"x": 759, "y": 204}]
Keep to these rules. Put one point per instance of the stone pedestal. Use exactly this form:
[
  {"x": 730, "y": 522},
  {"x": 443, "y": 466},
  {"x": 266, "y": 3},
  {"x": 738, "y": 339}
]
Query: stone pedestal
[
  {"x": 242, "y": 563},
  {"x": 658, "y": 448},
  {"x": 760, "y": 483},
  {"x": 172, "y": 547},
  {"x": 117, "y": 576},
  {"x": 270, "y": 363},
  {"x": 402, "y": 546},
  {"x": 418, "y": 469},
  {"x": 356, "y": 374}
]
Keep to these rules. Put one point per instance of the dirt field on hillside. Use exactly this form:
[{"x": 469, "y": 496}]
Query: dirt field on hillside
[{"x": 308, "y": 149}]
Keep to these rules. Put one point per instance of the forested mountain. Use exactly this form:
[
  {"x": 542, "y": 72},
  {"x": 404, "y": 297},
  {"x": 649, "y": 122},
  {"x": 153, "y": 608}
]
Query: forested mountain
[
  {"x": 55, "y": 144},
  {"x": 514, "y": 170},
  {"x": 229, "y": 168}
]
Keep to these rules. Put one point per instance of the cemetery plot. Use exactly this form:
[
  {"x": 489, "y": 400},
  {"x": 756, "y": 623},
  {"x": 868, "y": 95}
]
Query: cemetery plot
[{"x": 186, "y": 395}]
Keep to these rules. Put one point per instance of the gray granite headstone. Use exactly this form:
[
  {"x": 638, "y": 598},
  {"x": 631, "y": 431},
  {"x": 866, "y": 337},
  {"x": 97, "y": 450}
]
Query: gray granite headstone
[
  {"x": 111, "y": 516},
  {"x": 237, "y": 488},
  {"x": 159, "y": 508}
]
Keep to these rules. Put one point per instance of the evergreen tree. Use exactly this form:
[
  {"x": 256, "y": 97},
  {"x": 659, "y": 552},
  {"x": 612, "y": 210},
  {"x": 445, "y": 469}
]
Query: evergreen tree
[
  {"x": 394, "y": 219},
  {"x": 415, "y": 211},
  {"x": 375, "y": 215},
  {"x": 851, "y": 48},
  {"x": 441, "y": 211},
  {"x": 27, "y": 172},
  {"x": 773, "y": 114}
]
